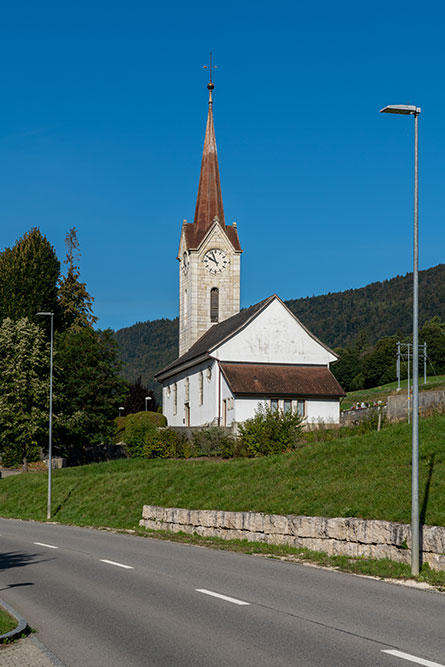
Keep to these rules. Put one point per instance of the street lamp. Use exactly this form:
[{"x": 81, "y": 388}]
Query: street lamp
[
  {"x": 121, "y": 409},
  {"x": 50, "y": 437},
  {"x": 411, "y": 110},
  {"x": 147, "y": 398}
]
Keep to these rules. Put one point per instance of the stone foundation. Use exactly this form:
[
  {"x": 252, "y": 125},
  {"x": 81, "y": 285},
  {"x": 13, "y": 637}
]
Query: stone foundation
[{"x": 341, "y": 536}]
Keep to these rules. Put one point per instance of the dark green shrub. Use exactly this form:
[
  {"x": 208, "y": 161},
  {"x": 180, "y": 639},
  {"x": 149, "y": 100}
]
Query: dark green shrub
[
  {"x": 161, "y": 443},
  {"x": 132, "y": 429},
  {"x": 137, "y": 430},
  {"x": 213, "y": 441},
  {"x": 270, "y": 432},
  {"x": 11, "y": 456}
]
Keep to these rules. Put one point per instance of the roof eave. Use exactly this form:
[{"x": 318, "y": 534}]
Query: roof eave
[{"x": 174, "y": 370}]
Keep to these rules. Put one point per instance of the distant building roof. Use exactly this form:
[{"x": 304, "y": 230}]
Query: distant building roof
[{"x": 281, "y": 380}]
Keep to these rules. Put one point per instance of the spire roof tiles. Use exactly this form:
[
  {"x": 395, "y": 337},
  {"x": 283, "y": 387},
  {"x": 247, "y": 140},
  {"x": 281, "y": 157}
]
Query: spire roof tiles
[{"x": 209, "y": 203}]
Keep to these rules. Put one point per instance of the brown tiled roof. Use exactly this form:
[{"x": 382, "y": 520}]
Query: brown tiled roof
[
  {"x": 194, "y": 235},
  {"x": 209, "y": 201},
  {"x": 215, "y": 335},
  {"x": 281, "y": 380}
]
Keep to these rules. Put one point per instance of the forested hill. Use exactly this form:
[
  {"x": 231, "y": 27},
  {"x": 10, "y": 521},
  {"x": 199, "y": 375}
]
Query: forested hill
[{"x": 379, "y": 309}]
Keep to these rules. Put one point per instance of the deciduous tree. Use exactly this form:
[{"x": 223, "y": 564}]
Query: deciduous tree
[
  {"x": 89, "y": 384},
  {"x": 28, "y": 277},
  {"x": 24, "y": 390}
]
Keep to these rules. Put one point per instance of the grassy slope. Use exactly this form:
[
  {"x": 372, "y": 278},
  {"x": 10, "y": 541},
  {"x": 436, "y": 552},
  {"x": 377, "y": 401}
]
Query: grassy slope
[{"x": 366, "y": 476}]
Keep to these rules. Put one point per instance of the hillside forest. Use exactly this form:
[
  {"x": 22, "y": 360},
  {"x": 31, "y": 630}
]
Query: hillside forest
[{"x": 361, "y": 325}]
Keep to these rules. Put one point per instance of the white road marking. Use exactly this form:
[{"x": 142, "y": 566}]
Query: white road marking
[
  {"x": 222, "y": 597},
  {"x": 49, "y": 546},
  {"x": 112, "y": 562},
  {"x": 413, "y": 658}
]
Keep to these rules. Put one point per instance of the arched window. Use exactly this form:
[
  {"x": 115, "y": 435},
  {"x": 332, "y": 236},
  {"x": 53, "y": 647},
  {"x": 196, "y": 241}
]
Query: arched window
[
  {"x": 214, "y": 304},
  {"x": 201, "y": 388}
]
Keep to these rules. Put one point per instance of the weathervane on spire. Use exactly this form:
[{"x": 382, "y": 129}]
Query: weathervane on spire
[{"x": 210, "y": 67}]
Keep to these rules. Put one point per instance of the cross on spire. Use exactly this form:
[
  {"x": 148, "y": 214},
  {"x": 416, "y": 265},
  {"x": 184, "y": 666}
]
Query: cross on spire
[{"x": 210, "y": 67}]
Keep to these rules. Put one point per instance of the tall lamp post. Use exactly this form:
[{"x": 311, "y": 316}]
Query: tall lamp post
[
  {"x": 147, "y": 398},
  {"x": 410, "y": 110},
  {"x": 50, "y": 436}
]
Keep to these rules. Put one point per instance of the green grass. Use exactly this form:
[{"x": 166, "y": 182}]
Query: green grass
[
  {"x": 7, "y": 622},
  {"x": 383, "y": 391},
  {"x": 367, "y": 476}
]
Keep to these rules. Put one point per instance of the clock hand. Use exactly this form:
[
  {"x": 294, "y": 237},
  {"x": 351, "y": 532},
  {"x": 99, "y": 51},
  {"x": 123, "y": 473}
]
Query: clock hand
[{"x": 213, "y": 259}]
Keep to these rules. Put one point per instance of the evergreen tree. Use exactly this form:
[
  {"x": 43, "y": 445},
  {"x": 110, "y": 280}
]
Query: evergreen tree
[
  {"x": 24, "y": 390},
  {"x": 75, "y": 302},
  {"x": 28, "y": 277},
  {"x": 135, "y": 401}
]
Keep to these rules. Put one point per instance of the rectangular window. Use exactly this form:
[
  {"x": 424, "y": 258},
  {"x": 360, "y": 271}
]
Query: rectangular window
[
  {"x": 287, "y": 405},
  {"x": 274, "y": 404},
  {"x": 300, "y": 407}
]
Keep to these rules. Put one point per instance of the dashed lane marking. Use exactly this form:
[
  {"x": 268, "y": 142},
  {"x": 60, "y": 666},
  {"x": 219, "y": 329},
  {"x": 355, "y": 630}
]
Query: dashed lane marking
[
  {"x": 221, "y": 597},
  {"x": 413, "y": 658},
  {"x": 48, "y": 546},
  {"x": 112, "y": 562}
]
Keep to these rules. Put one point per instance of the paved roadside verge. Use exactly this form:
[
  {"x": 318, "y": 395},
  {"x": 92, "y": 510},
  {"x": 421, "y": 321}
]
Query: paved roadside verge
[{"x": 27, "y": 651}]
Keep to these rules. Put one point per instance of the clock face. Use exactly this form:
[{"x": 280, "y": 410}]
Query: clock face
[
  {"x": 185, "y": 262},
  {"x": 215, "y": 261}
]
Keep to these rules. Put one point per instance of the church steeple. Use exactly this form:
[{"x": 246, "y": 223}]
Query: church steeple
[
  {"x": 209, "y": 252},
  {"x": 209, "y": 202}
]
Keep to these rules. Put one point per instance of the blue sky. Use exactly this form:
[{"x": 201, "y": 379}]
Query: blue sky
[{"x": 102, "y": 125}]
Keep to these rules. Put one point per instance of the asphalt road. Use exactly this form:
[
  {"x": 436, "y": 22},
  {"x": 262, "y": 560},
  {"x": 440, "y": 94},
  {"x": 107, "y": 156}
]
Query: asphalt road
[{"x": 100, "y": 599}]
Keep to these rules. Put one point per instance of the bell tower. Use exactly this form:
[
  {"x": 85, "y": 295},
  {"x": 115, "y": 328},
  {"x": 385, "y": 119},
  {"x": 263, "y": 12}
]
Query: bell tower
[{"x": 209, "y": 252}]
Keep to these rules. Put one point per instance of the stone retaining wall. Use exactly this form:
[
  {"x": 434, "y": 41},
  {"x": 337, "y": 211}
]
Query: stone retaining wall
[
  {"x": 352, "y": 417},
  {"x": 428, "y": 400},
  {"x": 341, "y": 536}
]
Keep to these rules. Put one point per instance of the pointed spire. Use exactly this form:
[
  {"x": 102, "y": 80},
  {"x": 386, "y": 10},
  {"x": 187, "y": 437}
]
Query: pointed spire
[{"x": 209, "y": 202}]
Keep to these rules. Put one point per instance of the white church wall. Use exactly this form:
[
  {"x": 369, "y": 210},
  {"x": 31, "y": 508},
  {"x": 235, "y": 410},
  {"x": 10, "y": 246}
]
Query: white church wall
[
  {"x": 227, "y": 404},
  {"x": 245, "y": 408},
  {"x": 274, "y": 336},
  {"x": 323, "y": 411},
  {"x": 200, "y": 412},
  {"x": 316, "y": 411}
]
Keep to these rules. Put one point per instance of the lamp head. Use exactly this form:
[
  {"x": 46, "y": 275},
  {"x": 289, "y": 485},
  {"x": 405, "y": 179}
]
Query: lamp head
[{"x": 404, "y": 109}]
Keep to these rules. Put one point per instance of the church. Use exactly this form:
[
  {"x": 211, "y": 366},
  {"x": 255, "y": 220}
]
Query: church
[{"x": 230, "y": 361}]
